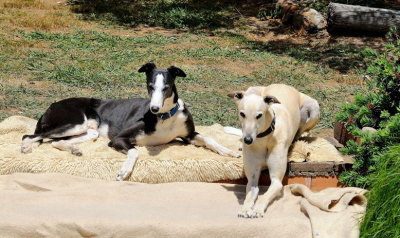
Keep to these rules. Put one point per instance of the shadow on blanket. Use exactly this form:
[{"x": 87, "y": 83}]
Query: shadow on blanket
[{"x": 172, "y": 162}]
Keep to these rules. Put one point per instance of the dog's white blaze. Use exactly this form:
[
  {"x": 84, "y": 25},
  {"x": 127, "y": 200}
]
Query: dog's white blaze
[{"x": 157, "y": 96}]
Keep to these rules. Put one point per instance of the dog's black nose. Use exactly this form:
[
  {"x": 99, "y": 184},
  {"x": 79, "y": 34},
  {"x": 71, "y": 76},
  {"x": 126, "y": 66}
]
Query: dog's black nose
[
  {"x": 248, "y": 140},
  {"x": 154, "y": 109}
]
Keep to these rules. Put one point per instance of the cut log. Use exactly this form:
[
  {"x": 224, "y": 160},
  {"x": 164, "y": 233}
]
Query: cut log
[{"x": 349, "y": 18}]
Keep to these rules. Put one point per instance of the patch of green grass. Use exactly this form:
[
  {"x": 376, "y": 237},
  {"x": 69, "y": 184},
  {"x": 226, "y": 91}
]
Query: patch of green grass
[{"x": 104, "y": 65}]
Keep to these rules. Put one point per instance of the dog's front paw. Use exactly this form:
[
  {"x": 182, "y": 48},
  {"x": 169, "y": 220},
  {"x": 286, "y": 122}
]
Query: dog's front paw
[
  {"x": 257, "y": 213},
  {"x": 234, "y": 154},
  {"x": 76, "y": 151},
  {"x": 245, "y": 212},
  {"x": 229, "y": 153},
  {"x": 123, "y": 175}
]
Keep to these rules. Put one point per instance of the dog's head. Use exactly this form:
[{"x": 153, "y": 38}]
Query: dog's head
[
  {"x": 254, "y": 113},
  {"x": 161, "y": 86}
]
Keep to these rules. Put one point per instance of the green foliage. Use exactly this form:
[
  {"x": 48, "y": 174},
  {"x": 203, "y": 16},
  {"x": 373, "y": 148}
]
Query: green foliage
[
  {"x": 273, "y": 12},
  {"x": 379, "y": 107},
  {"x": 382, "y": 217},
  {"x": 179, "y": 14}
]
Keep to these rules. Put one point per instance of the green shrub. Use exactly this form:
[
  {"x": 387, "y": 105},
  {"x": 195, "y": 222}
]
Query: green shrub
[
  {"x": 167, "y": 13},
  {"x": 382, "y": 218},
  {"x": 379, "y": 107}
]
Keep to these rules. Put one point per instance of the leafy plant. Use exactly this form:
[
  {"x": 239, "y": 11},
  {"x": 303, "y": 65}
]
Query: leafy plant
[
  {"x": 382, "y": 217},
  {"x": 378, "y": 108},
  {"x": 181, "y": 14}
]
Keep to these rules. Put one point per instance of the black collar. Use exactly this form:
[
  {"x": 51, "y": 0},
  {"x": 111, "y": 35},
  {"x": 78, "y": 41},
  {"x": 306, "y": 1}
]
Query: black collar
[
  {"x": 270, "y": 129},
  {"x": 171, "y": 113}
]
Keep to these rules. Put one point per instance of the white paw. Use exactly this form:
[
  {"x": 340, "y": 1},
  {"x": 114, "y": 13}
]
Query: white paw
[
  {"x": 128, "y": 165},
  {"x": 257, "y": 213},
  {"x": 258, "y": 210},
  {"x": 233, "y": 154},
  {"x": 26, "y": 149},
  {"x": 245, "y": 212},
  {"x": 76, "y": 151},
  {"x": 125, "y": 171},
  {"x": 229, "y": 153},
  {"x": 123, "y": 174}
]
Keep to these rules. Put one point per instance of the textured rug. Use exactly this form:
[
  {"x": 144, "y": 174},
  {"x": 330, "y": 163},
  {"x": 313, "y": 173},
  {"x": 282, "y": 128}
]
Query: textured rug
[{"x": 173, "y": 162}]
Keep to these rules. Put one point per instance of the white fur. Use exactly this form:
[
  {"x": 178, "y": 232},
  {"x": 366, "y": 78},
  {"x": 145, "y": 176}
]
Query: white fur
[
  {"x": 157, "y": 95},
  {"x": 70, "y": 145},
  {"x": 200, "y": 140},
  {"x": 103, "y": 130},
  {"x": 294, "y": 113},
  {"x": 166, "y": 130},
  {"x": 128, "y": 165},
  {"x": 233, "y": 131},
  {"x": 77, "y": 130},
  {"x": 27, "y": 144}
]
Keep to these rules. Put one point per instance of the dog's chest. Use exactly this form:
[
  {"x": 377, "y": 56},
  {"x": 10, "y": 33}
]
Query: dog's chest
[{"x": 166, "y": 131}]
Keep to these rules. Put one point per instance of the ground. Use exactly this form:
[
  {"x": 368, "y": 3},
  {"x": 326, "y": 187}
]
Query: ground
[{"x": 49, "y": 52}]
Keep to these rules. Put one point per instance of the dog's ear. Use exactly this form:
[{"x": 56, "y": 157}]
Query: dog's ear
[
  {"x": 176, "y": 72},
  {"x": 236, "y": 95},
  {"x": 271, "y": 99},
  {"x": 147, "y": 68}
]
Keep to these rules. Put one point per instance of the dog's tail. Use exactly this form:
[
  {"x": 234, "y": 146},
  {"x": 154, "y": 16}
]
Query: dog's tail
[{"x": 233, "y": 131}]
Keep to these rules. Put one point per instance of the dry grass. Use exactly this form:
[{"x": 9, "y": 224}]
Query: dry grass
[{"x": 34, "y": 15}]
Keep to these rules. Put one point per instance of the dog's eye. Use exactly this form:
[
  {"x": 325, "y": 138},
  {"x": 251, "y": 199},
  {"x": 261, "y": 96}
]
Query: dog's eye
[
  {"x": 242, "y": 115},
  {"x": 151, "y": 87},
  {"x": 165, "y": 88},
  {"x": 259, "y": 116}
]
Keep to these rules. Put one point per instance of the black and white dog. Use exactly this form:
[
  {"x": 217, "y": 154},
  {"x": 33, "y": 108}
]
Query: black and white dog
[{"x": 126, "y": 122}]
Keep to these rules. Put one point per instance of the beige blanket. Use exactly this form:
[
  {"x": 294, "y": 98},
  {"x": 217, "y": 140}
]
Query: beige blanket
[
  {"x": 60, "y": 205},
  {"x": 174, "y": 162}
]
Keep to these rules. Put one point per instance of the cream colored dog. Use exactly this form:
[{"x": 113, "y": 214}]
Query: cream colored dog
[{"x": 272, "y": 118}]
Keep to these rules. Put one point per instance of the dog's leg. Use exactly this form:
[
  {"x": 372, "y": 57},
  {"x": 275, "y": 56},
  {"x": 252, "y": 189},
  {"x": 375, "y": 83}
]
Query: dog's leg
[
  {"x": 252, "y": 169},
  {"x": 277, "y": 163},
  {"x": 70, "y": 145},
  {"x": 309, "y": 116},
  {"x": 128, "y": 165},
  {"x": 200, "y": 140},
  {"x": 123, "y": 143},
  {"x": 233, "y": 131}
]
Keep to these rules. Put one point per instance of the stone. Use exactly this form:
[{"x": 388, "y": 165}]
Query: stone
[
  {"x": 310, "y": 20},
  {"x": 370, "y": 129}
]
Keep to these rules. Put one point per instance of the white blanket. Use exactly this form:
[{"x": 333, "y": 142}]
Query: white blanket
[{"x": 60, "y": 205}]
